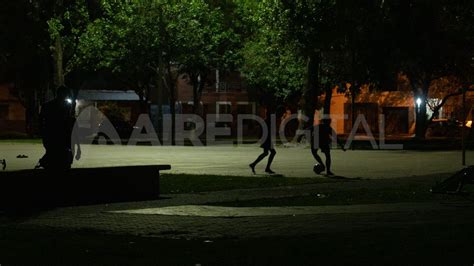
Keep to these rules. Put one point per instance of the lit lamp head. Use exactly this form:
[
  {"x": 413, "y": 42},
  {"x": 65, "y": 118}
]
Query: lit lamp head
[
  {"x": 418, "y": 102},
  {"x": 64, "y": 93},
  {"x": 469, "y": 124}
]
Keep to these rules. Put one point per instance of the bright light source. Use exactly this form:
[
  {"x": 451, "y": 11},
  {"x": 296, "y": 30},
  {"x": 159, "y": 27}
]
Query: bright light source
[
  {"x": 469, "y": 124},
  {"x": 418, "y": 102},
  {"x": 69, "y": 100}
]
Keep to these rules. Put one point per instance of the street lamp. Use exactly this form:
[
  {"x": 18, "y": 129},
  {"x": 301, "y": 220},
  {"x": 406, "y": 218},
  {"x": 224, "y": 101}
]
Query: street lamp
[{"x": 418, "y": 103}]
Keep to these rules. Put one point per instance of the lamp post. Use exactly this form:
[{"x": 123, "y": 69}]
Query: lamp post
[{"x": 463, "y": 134}]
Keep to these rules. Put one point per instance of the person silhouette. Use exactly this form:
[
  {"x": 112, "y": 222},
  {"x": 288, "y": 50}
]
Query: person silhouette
[
  {"x": 57, "y": 124},
  {"x": 267, "y": 142},
  {"x": 321, "y": 138}
]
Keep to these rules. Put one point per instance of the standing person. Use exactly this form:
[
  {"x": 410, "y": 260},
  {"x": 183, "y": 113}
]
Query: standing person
[
  {"x": 321, "y": 138},
  {"x": 267, "y": 143},
  {"x": 57, "y": 125}
]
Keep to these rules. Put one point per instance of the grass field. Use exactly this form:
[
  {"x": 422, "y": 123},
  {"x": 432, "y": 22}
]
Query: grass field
[
  {"x": 335, "y": 191},
  {"x": 186, "y": 183}
]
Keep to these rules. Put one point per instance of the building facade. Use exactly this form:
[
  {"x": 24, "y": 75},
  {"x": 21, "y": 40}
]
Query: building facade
[
  {"x": 392, "y": 112},
  {"x": 224, "y": 93},
  {"x": 12, "y": 112}
]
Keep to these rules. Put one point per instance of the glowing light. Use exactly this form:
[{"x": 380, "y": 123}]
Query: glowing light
[
  {"x": 418, "y": 102},
  {"x": 469, "y": 124},
  {"x": 69, "y": 100}
]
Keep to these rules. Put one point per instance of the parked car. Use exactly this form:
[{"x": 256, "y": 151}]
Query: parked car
[
  {"x": 123, "y": 128},
  {"x": 444, "y": 128}
]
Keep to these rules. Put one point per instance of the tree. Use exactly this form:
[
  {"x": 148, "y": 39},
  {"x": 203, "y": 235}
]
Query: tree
[
  {"x": 131, "y": 41},
  {"x": 24, "y": 54},
  {"x": 204, "y": 41},
  {"x": 156, "y": 41},
  {"x": 310, "y": 24},
  {"x": 331, "y": 39},
  {"x": 37, "y": 36},
  {"x": 270, "y": 65},
  {"x": 430, "y": 40},
  {"x": 119, "y": 42},
  {"x": 355, "y": 56},
  {"x": 68, "y": 23}
]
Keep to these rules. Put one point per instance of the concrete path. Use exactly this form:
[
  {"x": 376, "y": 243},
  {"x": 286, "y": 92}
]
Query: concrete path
[
  {"x": 232, "y": 160},
  {"x": 203, "y": 215},
  {"x": 229, "y": 212}
]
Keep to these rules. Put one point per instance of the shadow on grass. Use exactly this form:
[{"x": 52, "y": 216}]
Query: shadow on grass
[
  {"x": 185, "y": 183},
  {"x": 29, "y": 192},
  {"x": 373, "y": 195}
]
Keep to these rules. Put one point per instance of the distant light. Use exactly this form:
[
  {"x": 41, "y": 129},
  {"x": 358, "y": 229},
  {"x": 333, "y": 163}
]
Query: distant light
[
  {"x": 469, "y": 124},
  {"x": 418, "y": 102},
  {"x": 69, "y": 100}
]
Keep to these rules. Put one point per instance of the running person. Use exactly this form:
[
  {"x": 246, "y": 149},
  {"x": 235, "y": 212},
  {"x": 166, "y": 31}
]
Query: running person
[
  {"x": 267, "y": 144},
  {"x": 321, "y": 138}
]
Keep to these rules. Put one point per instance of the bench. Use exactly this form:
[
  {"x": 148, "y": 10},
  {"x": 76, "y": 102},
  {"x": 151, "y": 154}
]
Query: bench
[
  {"x": 455, "y": 183},
  {"x": 80, "y": 186}
]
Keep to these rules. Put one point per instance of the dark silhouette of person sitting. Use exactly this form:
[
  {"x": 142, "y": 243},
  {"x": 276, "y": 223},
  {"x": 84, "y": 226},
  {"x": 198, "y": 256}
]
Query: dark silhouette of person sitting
[
  {"x": 267, "y": 142},
  {"x": 321, "y": 138},
  {"x": 57, "y": 123}
]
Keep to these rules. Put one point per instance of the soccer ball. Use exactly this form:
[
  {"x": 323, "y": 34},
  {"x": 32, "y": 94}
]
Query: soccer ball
[{"x": 318, "y": 168}]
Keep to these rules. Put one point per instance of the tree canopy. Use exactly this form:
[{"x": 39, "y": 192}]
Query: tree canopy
[
  {"x": 284, "y": 48},
  {"x": 271, "y": 64}
]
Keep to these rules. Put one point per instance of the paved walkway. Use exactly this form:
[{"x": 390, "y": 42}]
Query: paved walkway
[
  {"x": 198, "y": 216},
  {"x": 233, "y": 212},
  {"x": 194, "y": 227},
  {"x": 231, "y": 160}
]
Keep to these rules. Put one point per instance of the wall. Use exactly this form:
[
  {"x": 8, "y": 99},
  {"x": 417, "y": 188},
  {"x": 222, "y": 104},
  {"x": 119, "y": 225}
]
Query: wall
[
  {"x": 381, "y": 98},
  {"x": 230, "y": 97},
  {"x": 14, "y": 120},
  {"x": 211, "y": 96}
]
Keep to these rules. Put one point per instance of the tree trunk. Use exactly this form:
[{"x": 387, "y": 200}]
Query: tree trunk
[
  {"x": 160, "y": 94},
  {"x": 173, "y": 115},
  {"x": 312, "y": 91},
  {"x": 354, "y": 90},
  {"x": 327, "y": 102},
  {"x": 142, "y": 99},
  {"x": 31, "y": 114},
  {"x": 421, "y": 115},
  {"x": 196, "y": 100},
  {"x": 353, "y": 100},
  {"x": 58, "y": 55},
  {"x": 172, "y": 98},
  {"x": 198, "y": 80}
]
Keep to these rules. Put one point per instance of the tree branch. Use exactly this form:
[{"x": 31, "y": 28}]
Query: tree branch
[{"x": 445, "y": 99}]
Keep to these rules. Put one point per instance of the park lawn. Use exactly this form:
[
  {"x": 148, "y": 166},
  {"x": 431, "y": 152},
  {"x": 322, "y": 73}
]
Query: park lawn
[
  {"x": 373, "y": 192},
  {"x": 20, "y": 141},
  {"x": 374, "y": 195},
  {"x": 185, "y": 183}
]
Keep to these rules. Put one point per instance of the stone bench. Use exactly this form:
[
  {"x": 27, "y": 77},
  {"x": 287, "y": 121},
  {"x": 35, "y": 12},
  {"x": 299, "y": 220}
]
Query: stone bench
[{"x": 80, "y": 186}]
